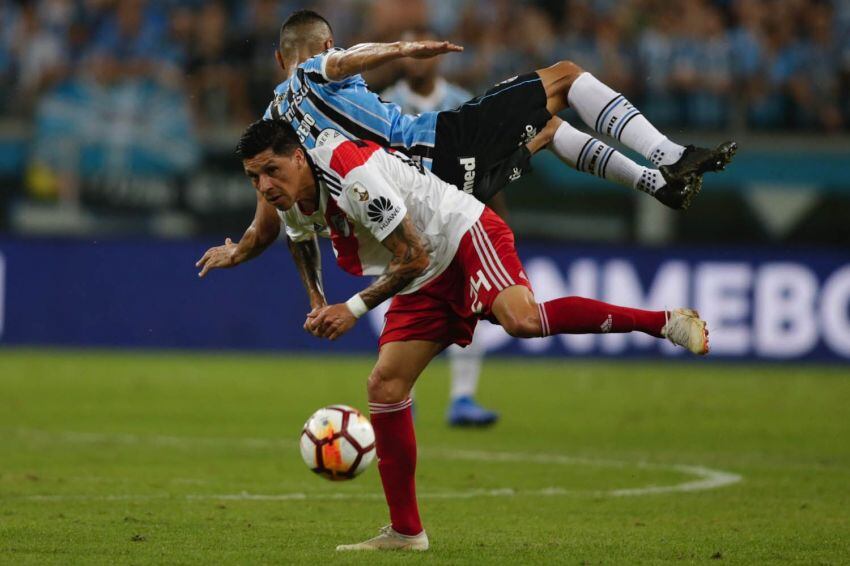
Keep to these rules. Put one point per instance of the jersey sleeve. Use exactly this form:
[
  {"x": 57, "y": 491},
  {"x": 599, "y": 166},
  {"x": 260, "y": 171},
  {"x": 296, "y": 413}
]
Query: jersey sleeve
[
  {"x": 372, "y": 201},
  {"x": 316, "y": 67}
]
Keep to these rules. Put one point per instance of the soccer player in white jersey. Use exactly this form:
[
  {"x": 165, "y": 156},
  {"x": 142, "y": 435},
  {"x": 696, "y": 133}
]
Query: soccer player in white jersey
[
  {"x": 479, "y": 146},
  {"x": 422, "y": 89},
  {"x": 444, "y": 259}
]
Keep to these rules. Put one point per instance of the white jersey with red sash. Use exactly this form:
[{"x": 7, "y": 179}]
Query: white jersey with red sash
[{"x": 364, "y": 193}]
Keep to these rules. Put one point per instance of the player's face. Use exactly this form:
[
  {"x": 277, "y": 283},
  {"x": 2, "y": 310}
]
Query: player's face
[
  {"x": 282, "y": 180},
  {"x": 420, "y": 69}
]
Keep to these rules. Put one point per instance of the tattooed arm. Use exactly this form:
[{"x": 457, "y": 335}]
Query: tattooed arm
[
  {"x": 308, "y": 262},
  {"x": 409, "y": 261}
]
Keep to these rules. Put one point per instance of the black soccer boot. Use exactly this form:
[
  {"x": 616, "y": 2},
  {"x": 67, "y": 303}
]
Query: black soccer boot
[
  {"x": 678, "y": 193},
  {"x": 684, "y": 178}
]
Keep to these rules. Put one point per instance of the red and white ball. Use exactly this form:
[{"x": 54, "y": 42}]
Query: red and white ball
[{"x": 338, "y": 442}]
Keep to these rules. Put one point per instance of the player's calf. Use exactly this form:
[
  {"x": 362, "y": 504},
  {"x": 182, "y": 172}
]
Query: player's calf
[
  {"x": 398, "y": 366},
  {"x": 522, "y": 317},
  {"x": 518, "y": 313}
]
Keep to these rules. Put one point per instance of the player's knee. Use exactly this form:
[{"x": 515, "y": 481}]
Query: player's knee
[
  {"x": 386, "y": 386},
  {"x": 568, "y": 71},
  {"x": 546, "y": 135},
  {"x": 522, "y": 325}
]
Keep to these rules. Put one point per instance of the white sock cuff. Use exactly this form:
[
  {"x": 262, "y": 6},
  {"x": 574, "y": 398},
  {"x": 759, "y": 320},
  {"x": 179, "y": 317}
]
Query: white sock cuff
[
  {"x": 544, "y": 320},
  {"x": 378, "y": 408},
  {"x": 586, "y": 83}
]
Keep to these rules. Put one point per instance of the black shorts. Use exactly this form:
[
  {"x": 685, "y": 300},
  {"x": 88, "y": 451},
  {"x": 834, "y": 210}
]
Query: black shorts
[{"x": 475, "y": 137}]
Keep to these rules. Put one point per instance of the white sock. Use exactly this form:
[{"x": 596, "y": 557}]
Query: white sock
[
  {"x": 589, "y": 155},
  {"x": 609, "y": 113},
  {"x": 465, "y": 367}
]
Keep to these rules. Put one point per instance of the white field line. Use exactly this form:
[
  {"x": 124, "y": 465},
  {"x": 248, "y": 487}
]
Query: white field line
[
  {"x": 72, "y": 437},
  {"x": 702, "y": 478}
]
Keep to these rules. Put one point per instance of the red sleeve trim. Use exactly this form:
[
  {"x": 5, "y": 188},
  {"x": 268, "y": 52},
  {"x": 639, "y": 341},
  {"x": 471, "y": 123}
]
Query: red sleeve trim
[{"x": 352, "y": 154}]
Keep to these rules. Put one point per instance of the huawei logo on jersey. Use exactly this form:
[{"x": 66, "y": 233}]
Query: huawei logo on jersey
[{"x": 382, "y": 211}]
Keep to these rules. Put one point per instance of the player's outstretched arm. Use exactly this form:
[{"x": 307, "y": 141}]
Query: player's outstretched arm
[
  {"x": 308, "y": 262},
  {"x": 262, "y": 232},
  {"x": 365, "y": 56},
  {"x": 409, "y": 261}
]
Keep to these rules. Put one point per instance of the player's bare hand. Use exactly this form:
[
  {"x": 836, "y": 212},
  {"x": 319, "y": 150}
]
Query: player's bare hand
[
  {"x": 218, "y": 257},
  {"x": 310, "y": 324},
  {"x": 330, "y": 322},
  {"x": 427, "y": 48}
]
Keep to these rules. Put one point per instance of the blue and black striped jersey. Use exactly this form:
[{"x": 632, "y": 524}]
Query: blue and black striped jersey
[{"x": 312, "y": 103}]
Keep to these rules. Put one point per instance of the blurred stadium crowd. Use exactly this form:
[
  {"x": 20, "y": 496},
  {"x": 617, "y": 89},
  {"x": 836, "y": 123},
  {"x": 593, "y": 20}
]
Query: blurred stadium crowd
[
  {"x": 758, "y": 64},
  {"x": 120, "y": 116}
]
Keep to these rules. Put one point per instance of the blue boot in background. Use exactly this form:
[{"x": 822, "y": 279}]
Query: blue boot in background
[{"x": 464, "y": 411}]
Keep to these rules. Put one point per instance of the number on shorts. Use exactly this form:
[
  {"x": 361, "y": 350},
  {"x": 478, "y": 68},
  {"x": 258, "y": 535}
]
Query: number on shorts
[{"x": 474, "y": 286}]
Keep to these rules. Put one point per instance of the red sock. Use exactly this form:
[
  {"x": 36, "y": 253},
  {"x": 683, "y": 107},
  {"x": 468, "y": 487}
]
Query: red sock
[
  {"x": 577, "y": 315},
  {"x": 395, "y": 444}
]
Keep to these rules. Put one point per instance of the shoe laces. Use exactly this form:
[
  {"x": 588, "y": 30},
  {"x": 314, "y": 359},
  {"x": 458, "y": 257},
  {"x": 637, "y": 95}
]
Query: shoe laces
[
  {"x": 386, "y": 530},
  {"x": 678, "y": 329}
]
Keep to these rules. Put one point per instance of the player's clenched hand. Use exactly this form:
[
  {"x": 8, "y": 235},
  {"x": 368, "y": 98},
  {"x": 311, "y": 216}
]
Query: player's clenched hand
[
  {"x": 310, "y": 324},
  {"x": 329, "y": 322},
  {"x": 427, "y": 48},
  {"x": 219, "y": 256}
]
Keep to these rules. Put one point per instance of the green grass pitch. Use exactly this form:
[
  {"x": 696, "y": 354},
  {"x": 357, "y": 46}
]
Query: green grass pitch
[{"x": 116, "y": 458}]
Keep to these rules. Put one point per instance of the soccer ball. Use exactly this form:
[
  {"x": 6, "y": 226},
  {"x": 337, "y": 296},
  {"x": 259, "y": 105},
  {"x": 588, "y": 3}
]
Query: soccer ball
[{"x": 338, "y": 442}]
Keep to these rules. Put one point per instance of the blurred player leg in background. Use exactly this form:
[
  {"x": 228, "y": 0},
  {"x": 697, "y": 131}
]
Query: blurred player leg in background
[
  {"x": 465, "y": 368},
  {"x": 422, "y": 89}
]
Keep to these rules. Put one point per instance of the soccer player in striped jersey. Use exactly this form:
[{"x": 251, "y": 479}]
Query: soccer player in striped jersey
[
  {"x": 480, "y": 146},
  {"x": 421, "y": 89},
  {"x": 442, "y": 257},
  {"x": 463, "y": 146}
]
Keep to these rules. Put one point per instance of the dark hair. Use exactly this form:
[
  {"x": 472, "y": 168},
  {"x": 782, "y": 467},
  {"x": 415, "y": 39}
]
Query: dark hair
[
  {"x": 297, "y": 21},
  {"x": 265, "y": 134}
]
